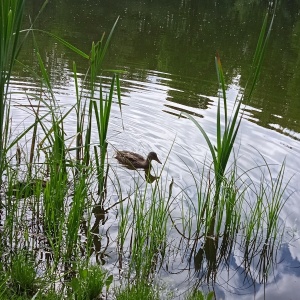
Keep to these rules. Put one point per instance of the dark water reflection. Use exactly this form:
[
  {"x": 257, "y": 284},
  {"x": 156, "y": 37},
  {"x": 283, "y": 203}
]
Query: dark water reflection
[
  {"x": 167, "y": 50},
  {"x": 180, "y": 38}
]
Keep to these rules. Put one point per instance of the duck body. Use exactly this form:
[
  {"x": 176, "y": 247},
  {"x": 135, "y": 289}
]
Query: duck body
[{"x": 136, "y": 161}]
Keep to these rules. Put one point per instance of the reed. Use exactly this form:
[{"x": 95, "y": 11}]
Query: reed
[
  {"x": 101, "y": 107},
  {"x": 75, "y": 216},
  {"x": 144, "y": 223},
  {"x": 60, "y": 223},
  {"x": 224, "y": 212},
  {"x": 227, "y": 128},
  {"x": 11, "y": 12},
  {"x": 262, "y": 232}
]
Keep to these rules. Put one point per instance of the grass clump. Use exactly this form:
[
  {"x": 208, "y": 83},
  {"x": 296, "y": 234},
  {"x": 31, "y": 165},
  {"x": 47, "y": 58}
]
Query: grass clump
[
  {"x": 23, "y": 276},
  {"x": 142, "y": 290},
  {"x": 90, "y": 282},
  {"x": 144, "y": 223},
  {"x": 198, "y": 295}
]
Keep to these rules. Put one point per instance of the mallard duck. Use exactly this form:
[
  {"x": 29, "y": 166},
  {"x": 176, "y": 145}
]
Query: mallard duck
[{"x": 135, "y": 161}]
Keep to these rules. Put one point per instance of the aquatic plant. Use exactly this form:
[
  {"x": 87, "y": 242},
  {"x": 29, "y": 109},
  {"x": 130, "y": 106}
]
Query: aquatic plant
[
  {"x": 53, "y": 203},
  {"x": 11, "y": 12},
  {"x": 60, "y": 223},
  {"x": 144, "y": 223},
  {"x": 23, "y": 277},
  {"x": 198, "y": 295},
  {"x": 139, "y": 291},
  {"x": 227, "y": 131},
  {"x": 90, "y": 282},
  {"x": 223, "y": 210},
  {"x": 102, "y": 108}
]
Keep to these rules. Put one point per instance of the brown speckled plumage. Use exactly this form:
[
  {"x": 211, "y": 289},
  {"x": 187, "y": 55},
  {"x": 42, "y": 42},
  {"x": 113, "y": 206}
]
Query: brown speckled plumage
[{"x": 135, "y": 161}]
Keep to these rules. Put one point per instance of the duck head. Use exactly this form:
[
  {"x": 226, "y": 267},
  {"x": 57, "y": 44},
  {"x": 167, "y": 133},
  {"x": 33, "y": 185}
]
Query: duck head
[{"x": 153, "y": 156}]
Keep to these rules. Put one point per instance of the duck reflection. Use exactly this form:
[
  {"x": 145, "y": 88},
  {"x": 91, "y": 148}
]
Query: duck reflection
[{"x": 149, "y": 177}]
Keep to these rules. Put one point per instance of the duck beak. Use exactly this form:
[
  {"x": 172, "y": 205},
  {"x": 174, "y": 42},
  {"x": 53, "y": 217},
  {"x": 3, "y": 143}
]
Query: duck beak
[{"x": 158, "y": 160}]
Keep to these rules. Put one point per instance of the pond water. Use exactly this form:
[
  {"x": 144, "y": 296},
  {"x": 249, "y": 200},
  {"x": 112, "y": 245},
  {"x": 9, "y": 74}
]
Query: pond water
[{"x": 167, "y": 49}]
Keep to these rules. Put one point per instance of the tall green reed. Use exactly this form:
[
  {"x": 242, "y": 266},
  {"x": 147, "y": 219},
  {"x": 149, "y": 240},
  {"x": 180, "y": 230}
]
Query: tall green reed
[
  {"x": 79, "y": 172},
  {"x": 61, "y": 212},
  {"x": 102, "y": 108},
  {"x": 219, "y": 215},
  {"x": 85, "y": 106},
  {"x": 226, "y": 133},
  {"x": 11, "y": 12}
]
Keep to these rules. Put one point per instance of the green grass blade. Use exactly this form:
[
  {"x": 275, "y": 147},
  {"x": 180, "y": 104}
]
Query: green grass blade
[
  {"x": 118, "y": 85},
  {"x": 103, "y": 52},
  {"x": 261, "y": 49},
  {"x": 210, "y": 145},
  {"x": 63, "y": 42}
]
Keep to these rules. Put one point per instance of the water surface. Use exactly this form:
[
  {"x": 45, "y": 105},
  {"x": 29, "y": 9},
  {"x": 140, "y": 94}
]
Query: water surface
[{"x": 167, "y": 50}]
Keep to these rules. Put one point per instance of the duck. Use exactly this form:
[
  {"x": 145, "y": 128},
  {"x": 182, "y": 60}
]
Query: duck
[{"x": 136, "y": 161}]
